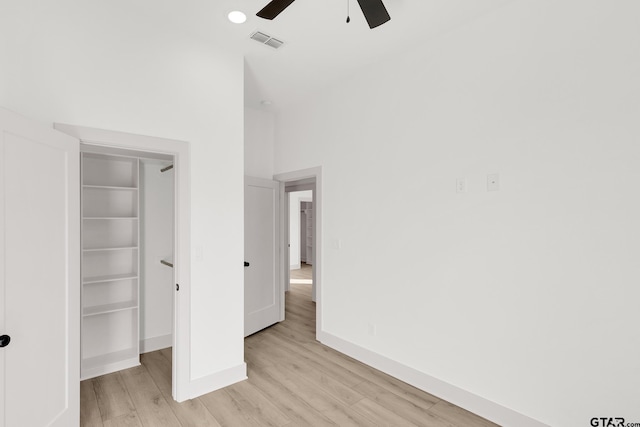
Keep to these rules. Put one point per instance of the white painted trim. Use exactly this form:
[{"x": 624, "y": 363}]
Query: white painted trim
[
  {"x": 156, "y": 343},
  {"x": 204, "y": 385},
  {"x": 285, "y": 239},
  {"x": 181, "y": 152},
  {"x": 311, "y": 173},
  {"x": 295, "y": 266},
  {"x": 471, "y": 402}
]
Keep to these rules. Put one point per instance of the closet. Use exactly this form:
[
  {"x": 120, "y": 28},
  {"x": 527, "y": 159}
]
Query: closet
[{"x": 127, "y": 257}]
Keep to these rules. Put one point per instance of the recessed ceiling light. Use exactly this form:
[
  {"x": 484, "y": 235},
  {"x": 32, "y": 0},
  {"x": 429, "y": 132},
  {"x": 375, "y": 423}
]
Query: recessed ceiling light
[{"x": 237, "y": 17}]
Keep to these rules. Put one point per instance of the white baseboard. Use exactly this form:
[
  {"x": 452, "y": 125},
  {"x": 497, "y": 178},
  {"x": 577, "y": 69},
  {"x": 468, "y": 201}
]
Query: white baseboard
[
  {"x": 216, "y": 381},
  {"x": 199, "y": 386},
  {"x": 295, "y": 266},
  {"x": 478, "y": 405},
  {"x": 109, "y": 368},
  {"x": 156, "y": 343}
]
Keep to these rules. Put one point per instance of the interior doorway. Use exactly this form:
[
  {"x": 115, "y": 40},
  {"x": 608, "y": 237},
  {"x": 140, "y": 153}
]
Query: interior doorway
[
  {"x": 308, "y": 180},
  {"x": 114, "y": 229},
  {"x": 127, "y": 235},
  {"x": 301, "y": 239}
]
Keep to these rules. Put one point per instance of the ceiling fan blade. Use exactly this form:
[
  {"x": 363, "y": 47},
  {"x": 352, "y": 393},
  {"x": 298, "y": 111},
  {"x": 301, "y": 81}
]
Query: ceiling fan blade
[
  {"x": 274, "y": 8},
  {"x": 375, "y": 12}
]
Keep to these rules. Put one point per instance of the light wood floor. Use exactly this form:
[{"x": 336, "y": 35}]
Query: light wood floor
[
  {"x": 293, "y": 381},
  {"x": 304, "y": 272}
]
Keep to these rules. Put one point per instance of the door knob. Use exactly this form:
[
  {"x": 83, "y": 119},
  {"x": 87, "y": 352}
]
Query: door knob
[
  {"x": 5, "y": 340},
  {"x": 246, "y": 264}
]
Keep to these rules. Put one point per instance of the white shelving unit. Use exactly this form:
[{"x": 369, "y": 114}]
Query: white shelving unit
[
  {"x": 110, "y": 264},
  {"x": 309, "y": 232}
]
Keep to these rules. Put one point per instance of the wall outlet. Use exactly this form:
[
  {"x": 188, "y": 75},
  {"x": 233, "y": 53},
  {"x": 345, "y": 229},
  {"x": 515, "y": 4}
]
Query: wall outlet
[{"x": 461, "y": 185}]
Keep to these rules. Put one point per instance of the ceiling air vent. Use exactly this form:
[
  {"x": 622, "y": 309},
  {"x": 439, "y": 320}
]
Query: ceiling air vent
[
  {"x": 266, "y": 39},
  {"x": 274, "y": 43}
]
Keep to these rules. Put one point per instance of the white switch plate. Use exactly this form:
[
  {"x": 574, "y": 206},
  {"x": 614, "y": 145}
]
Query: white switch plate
[
  {"x": 461, "y": 185},
  {"x": 493, "y": 182}
]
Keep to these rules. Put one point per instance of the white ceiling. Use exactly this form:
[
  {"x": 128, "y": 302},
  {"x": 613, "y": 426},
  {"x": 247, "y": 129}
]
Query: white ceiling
[{"x": 320, "y": 47}]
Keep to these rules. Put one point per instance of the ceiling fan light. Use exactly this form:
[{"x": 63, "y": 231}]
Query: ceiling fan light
[{"x": 237, "y": 17}]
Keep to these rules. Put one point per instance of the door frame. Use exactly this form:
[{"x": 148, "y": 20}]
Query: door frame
[
  {"x": 181, "y": 350},
  {"x": 299, "y": 180}
]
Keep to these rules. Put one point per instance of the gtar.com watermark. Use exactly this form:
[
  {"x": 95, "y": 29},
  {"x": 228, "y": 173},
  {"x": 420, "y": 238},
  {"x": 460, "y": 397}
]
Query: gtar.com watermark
[{"x": 612, "y": 422}]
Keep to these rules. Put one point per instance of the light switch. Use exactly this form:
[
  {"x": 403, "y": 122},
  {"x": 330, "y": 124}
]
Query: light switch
[{"x": 493, "y": 182}]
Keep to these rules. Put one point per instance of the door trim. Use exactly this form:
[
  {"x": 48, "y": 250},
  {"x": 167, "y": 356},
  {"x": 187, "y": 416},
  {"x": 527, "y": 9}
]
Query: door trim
[
  {"x": 307, "y": 176},
  {"x": 181, "y": 364}
]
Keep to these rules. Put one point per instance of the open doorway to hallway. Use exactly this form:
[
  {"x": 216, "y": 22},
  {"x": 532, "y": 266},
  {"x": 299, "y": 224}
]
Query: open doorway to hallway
[{"x": 290, "y": 183}]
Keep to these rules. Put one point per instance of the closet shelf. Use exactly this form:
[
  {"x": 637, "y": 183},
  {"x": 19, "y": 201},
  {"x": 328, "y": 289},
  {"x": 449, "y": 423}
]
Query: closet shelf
[
  {"x": 110, "y": 315},
  {"x": 109, "y": 308},
  {"x": 109, "y": 187},
  {"x": 110, "y": 278},
  {"x": 108, "y": 358},
  {"x": 109, "y": 217},
  {"x": 120, "y": 248}
]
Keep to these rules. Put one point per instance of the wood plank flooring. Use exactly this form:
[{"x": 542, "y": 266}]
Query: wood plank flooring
[
  {"x": 293, "y": 381},
  {"x": 304, "y": 272}
]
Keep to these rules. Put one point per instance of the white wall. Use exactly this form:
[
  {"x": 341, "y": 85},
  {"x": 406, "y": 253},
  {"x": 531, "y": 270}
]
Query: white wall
[
  {"x": 259, "y": 132},
  {"x": 156, "y": 234},
  {"x": 116, "y": 65},
  {"x": 294, "y": 225},
  {"x": 527, "y": 297}
]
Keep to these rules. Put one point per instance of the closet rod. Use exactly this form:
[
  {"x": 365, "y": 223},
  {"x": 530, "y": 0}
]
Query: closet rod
[
  {"x": 167, "y": 263},
  {"x": 166, "y": 168}
]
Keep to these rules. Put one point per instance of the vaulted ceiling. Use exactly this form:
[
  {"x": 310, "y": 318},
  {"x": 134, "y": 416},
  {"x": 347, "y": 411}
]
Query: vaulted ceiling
[{"x": 320, "y": 47}]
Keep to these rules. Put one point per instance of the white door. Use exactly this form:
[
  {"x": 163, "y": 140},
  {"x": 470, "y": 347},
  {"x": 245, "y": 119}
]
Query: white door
[
  {"x": 263, "y": 293},
  {"x": 39, "y": 275}
]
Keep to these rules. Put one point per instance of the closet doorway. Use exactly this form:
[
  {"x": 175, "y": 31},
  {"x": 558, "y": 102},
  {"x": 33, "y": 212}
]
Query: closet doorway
[{"x": 134, "y": 265}]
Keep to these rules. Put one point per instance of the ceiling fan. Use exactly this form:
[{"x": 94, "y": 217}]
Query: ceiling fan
[{"x": 373, "y": 10}]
